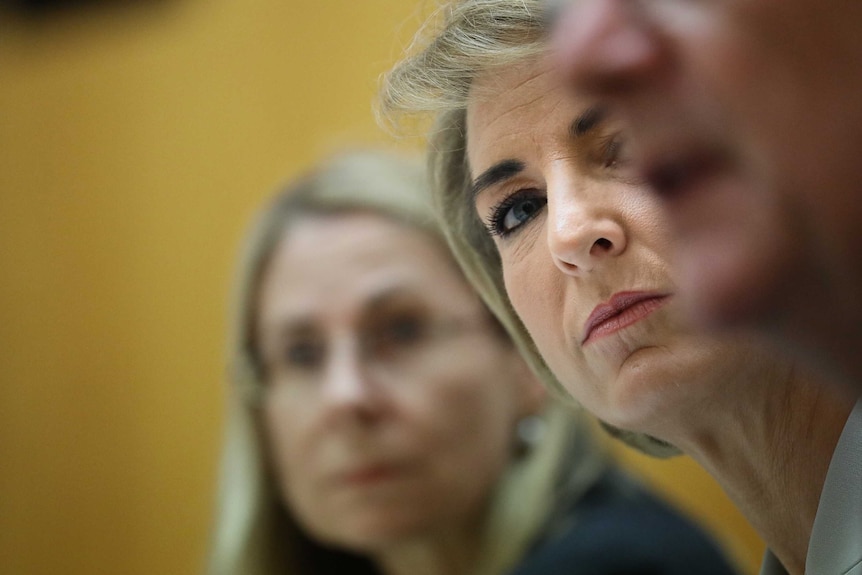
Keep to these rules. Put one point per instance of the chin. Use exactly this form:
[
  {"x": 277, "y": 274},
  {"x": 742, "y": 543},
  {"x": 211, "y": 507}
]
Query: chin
[
  {"x": 375, "y": 536},
  {"x": 652, "y": 386},
  {"x": 638, "y": 410}
]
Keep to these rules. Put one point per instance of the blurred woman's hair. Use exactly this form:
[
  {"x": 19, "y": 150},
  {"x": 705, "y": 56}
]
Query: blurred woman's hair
[{"x": 255, "y": 533}]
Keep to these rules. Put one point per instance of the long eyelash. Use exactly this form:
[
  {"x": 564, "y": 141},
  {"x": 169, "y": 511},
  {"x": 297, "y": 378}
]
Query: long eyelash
[
  {"x": 494, "y": 222},
  {"x": 614, "y": 159},
  {"x": 610, "y": 150}
]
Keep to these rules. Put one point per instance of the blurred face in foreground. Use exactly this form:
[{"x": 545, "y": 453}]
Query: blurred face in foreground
[
  {"x": 585, "y": 251},
  {"x": 391, "y": 398},
  {"x": 746, "y": 120}
]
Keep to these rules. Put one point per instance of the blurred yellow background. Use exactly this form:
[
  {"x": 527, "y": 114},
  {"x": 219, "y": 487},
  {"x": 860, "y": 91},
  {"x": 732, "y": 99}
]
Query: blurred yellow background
[{"x": 135, "y": 143}]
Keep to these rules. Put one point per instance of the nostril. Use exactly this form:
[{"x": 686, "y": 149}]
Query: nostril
[
  {"x": 603, "y": 243},
  {"x": 566, "y": 267}
]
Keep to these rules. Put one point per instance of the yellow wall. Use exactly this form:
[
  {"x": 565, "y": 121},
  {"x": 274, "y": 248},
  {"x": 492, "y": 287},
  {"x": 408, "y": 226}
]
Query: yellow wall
[{"x": 134, "y": 145}]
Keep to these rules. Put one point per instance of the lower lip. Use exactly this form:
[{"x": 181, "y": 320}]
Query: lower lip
[{"x": 625, "y": 318}]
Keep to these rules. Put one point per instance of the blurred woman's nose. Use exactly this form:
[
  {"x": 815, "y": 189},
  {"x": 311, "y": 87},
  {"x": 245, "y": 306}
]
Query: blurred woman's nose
[
  {"x": 605, "y": 46},
  {"x": 347, "y": 385},
  {"x": 582, "y": 233}
]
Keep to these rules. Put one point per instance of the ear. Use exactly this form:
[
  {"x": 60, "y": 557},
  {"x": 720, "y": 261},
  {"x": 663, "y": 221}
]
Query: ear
[{"x": 530, "y": 395}]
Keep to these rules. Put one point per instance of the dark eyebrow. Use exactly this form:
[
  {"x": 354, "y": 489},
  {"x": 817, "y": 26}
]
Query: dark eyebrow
[
  {"x": 497, "y": 173},
  {"x": 587, "y": 121},
  {"x": 289, "y": 328},
  {"x": 386, "y": 296}
]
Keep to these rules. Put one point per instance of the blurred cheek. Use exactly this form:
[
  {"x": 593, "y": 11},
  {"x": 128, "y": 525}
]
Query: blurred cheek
[
  {"x": 474, "y": 396},
  {"x": 281, "y": 435}
]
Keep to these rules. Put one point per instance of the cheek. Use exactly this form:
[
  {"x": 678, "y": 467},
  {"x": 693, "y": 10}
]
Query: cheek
[
  {"x": 283, "y": 441},
  {"x": 484, "y": 443},
  {"x": 529, "y": 281},
  {"x": 298, "y": 462},
  {"x": 537, "y": 292},
  {"x": 471, "y": 413},
  {"x": 468, "y": 391},
  {"x": 538, "y": 295}
]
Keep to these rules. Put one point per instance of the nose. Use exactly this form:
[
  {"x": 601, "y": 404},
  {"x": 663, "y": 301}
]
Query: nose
[
  {"x": 606, "y": 47},
  {"x": 582, "y": 233},
  {"x": 348, "y": 389}
]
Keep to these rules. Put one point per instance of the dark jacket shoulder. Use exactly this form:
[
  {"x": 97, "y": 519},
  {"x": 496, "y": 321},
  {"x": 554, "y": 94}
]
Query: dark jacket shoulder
[{"x": 619, "y": 528}]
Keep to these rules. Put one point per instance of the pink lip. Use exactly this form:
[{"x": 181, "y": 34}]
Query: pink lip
[
  {"x": 622, "y": 310},
  {"x": 369, "y": 474}
]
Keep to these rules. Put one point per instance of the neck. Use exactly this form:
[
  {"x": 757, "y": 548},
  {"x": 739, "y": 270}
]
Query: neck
[
  {"x": 453, "y": 552},
  {"x": 768, "y": 440}
]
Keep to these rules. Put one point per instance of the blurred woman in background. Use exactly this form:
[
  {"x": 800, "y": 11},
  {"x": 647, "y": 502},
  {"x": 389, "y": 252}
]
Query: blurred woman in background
[{"x": 381, "y": 420}]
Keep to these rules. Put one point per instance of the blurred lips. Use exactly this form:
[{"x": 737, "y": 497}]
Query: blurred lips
[
  {"x": 622, "y": 310},
  {"x": 369, "y": 474}
]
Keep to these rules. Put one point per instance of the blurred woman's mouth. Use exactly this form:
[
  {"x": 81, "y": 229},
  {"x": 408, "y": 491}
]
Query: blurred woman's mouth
[
  {"x": 371, "y": 474},
  {"x": 621, "y": 311}
]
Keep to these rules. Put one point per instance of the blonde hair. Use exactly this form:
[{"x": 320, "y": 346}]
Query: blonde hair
[
  {"x": 469, "y": 38},
  {"x": 254, "y": 532}
]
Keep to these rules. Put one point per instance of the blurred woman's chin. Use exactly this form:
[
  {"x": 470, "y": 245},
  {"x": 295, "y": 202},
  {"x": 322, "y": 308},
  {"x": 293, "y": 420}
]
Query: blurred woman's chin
[{"x": 376, "y": 530}]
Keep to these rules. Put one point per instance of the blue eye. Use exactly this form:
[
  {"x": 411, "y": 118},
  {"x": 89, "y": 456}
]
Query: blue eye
[{"x": 514, "y": 211}]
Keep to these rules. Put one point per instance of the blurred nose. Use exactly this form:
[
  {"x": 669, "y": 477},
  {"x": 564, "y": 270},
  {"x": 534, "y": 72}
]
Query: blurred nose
[
  {"x": 606, "y": 46},
  {"x": 581, "y": 233},
  {"x": 348, "y": 389}
]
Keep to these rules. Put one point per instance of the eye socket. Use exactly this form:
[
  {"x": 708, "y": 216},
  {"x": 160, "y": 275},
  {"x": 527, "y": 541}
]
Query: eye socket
[
  {"x": 393, "y": 335},
  {"x": 614, "y": 155},
  {"x": 514, "y": 211},
  {"x": 611, "y": 152},
  {"x": 302, "y": 355}
]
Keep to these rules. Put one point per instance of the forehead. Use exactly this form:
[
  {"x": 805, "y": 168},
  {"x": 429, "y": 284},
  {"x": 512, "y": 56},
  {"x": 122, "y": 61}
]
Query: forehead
[
  {"x": 508, "y": 93},
  {"x": 517, "y": 107},
  {"x": 335, "y": 265}
]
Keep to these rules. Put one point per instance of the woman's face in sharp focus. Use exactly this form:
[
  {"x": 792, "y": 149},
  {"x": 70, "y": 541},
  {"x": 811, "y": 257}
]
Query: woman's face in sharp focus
[
  {"x": 584, "y": 247},
  {"x": 390, "y": 399}
]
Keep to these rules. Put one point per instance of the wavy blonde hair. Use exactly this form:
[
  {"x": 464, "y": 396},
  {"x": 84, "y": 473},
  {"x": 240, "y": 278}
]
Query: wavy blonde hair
[
  {"x": 254, "y": 532},
  {"x": 465, "y": 39}
]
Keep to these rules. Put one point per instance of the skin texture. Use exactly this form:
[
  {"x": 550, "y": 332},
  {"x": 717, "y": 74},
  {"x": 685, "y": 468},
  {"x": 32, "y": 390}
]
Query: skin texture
[
  {"x": 745, "y": 119},
  {"x": 370, "y": 442},
  {"x": 582, "y": 228},
  {"x": 599, "y": 234}
]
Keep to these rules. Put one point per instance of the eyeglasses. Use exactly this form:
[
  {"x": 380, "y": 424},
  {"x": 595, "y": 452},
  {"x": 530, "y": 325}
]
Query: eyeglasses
[{"x": 392, "y": 348}]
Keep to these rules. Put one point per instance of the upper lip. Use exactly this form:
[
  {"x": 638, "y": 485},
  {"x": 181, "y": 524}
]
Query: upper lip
[
  {"x": 618, "y": 303},
  {"x": 368, "y": 472}
]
